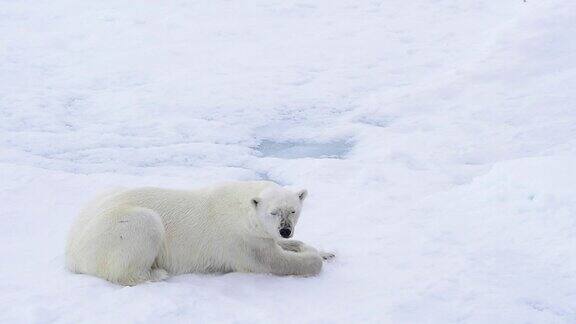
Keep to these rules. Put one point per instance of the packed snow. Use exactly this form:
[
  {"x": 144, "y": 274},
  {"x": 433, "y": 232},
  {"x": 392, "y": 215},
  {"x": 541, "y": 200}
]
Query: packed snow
[{"x": 437, "y": 140}]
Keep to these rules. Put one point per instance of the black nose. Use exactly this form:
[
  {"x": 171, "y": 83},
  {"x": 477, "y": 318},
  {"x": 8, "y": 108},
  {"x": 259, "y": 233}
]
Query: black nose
[{"x": 285, "y": 232}]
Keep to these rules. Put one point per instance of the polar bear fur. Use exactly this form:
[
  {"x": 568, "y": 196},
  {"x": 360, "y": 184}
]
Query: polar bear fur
[{"x": 147, "y": 234}]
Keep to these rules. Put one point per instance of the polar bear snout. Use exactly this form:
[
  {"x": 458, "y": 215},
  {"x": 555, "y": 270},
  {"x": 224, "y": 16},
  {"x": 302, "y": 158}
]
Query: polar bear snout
[{"x": 285, "y": 232}]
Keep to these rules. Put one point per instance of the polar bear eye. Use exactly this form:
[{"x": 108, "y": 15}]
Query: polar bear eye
[
  {"x": 274, "y": 213},
  {"x": 292, "y": 212}
]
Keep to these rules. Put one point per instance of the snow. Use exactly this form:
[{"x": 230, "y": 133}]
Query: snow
[{"x": 437, "y": 140}]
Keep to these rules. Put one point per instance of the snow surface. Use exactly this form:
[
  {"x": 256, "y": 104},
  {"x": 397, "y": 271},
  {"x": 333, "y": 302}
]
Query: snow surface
[{"x": 437, "y": 139}]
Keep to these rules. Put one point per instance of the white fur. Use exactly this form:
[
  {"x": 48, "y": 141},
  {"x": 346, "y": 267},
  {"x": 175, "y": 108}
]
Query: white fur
[{"x": 145, "y": 234}]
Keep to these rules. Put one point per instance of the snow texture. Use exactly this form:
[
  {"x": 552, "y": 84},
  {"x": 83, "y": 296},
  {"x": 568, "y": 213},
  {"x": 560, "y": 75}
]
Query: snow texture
[{"x": 437, "y": 139}]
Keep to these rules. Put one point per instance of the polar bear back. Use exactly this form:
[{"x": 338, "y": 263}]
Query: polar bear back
[{"x": 220, "y": 205}]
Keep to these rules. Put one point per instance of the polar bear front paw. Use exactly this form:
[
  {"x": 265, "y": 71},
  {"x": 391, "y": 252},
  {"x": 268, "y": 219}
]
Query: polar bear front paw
[
  {"x": 327, "y": 255},
  {"x": 291, "y": 245}
]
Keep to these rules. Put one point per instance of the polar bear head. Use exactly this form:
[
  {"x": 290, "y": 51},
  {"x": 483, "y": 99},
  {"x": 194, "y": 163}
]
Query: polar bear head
[{"x": 278, "y": 209}]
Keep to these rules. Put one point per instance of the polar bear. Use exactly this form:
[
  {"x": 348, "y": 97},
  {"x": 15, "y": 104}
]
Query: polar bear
[{"x": 146, "y": 234}]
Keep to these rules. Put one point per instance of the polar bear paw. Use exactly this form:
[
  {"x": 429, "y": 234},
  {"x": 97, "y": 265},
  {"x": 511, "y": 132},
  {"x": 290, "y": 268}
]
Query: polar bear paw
[
  {"x": 291, "y": 245},
  {"x": 326, "y": 256},
  {"x": 158, "y": 275}
]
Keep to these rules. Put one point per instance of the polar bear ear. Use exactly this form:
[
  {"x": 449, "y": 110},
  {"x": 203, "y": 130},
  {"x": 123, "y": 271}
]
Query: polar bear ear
[
  {"x": 255, "y": 202},
  {"x": 302, "y": 194}
]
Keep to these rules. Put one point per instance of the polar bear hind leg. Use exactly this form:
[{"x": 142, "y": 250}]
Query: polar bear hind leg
[
  {"x": 124, "y": 246},
  {"x": 138, "y": 239}
]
